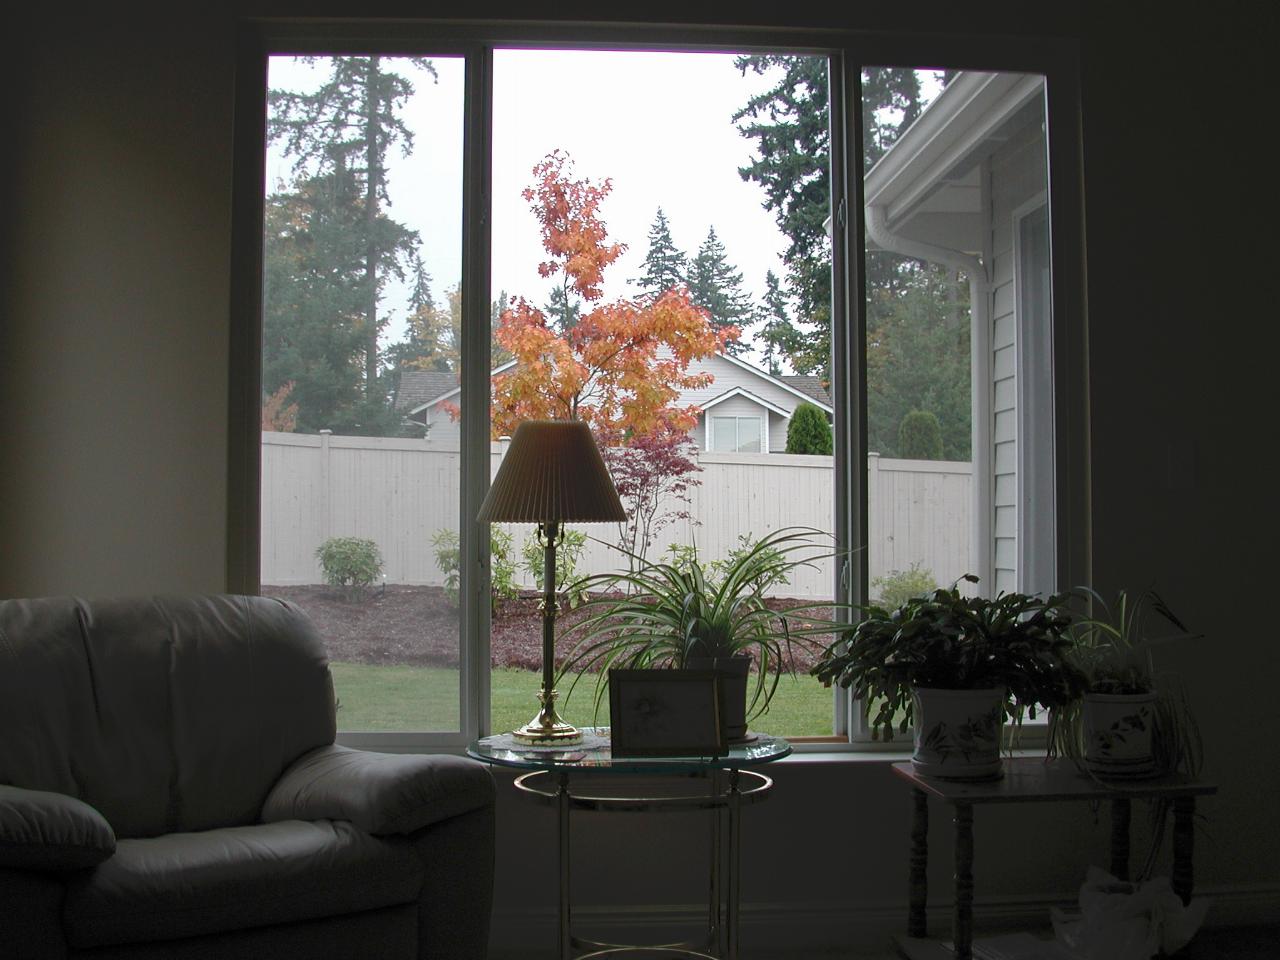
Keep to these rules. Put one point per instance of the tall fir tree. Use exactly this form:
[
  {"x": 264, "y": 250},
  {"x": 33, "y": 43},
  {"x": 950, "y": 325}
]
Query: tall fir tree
[
  {"x": 665, "y": 266},
  {"x": 716, "y": 286},
  {"x": 343, "y": 130},
  {"x": 790, "y": 125},
  {"x": 778, "y": 337}
]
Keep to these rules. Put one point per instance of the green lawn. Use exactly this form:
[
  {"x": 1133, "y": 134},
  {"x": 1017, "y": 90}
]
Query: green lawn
[{"x": 426, "y": 698}]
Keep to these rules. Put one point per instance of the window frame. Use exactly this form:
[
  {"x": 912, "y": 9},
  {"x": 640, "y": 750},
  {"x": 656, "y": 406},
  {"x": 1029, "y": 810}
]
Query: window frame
[{"x": 847, "y": 52}]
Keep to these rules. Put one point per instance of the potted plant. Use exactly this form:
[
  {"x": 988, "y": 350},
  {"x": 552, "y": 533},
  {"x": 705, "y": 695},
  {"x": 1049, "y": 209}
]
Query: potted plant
[
  {"x": 956, "y": 667},
  {"x": 687, "y": 615},
  {"x": 1126, "y": 725}
]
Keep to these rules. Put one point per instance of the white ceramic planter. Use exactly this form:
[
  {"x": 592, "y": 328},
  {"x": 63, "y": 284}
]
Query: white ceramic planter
[
  {"x": 957, "y": 733},
  {"x": 1118, "y": 732}
]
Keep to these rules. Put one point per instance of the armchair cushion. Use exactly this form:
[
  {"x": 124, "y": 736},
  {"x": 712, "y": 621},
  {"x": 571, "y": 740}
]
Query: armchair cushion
[
  {"x": 234, "y": 878},
  {"x": 40, "y": 830},
  {"x": 381, "y": 793}
]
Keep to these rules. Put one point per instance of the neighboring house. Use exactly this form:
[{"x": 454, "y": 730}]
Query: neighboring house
[
  {"x": 966, "y": 186},
  {"x": 744, "y": 410}
]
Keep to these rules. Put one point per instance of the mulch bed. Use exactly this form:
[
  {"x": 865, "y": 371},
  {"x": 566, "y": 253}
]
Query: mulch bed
[{"x": 418, "y": 626}]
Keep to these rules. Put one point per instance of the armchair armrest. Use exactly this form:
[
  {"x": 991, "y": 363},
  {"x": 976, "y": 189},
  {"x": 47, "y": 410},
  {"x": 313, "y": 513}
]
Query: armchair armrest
[
  {"x": 40, "y": 830},
  {"x": 381, "y": 793}
]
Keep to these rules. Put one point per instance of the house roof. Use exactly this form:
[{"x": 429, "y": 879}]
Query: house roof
[
  {"x": 422, "y": 386},
  {"x": 810, "y": 386},
  {"x": 747, "y": 394}
]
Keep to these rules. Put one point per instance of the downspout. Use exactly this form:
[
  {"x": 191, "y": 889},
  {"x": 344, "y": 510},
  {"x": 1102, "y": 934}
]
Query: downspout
[{"x": 982, "y": 522}]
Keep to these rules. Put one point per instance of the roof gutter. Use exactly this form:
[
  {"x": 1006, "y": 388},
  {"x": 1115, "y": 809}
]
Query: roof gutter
[{"x": 878, "y": 230}]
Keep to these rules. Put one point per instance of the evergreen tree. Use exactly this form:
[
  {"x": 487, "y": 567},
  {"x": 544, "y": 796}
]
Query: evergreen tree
[
  {"x": 778, "y": 336},
  {"x": 808, "y": 431},
  {"x": 716, "y": 286},
  {"x": 920, "y": 436},
  {"x": 342, "y": 131},
  {"x": 664, "y": 265},
  {"x": 563, "y": 309},
  {"x": 790, "y": 125}
]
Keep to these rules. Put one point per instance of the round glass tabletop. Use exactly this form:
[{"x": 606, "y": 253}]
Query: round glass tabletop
[{"x": 595, "y": 754}]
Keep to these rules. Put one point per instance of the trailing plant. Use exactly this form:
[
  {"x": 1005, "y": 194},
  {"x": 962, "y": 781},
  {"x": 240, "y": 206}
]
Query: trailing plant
[
  {"x": 898, "y": 586},
  {"x": 946, "y": 640},
  {"x": 670, "y": 612},
  {"x": 349, "y": 563},
  {"x": 568, "y": 553}
]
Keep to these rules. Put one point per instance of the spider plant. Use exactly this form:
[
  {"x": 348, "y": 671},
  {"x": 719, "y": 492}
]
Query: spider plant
[{"x": 661, "y": 615}]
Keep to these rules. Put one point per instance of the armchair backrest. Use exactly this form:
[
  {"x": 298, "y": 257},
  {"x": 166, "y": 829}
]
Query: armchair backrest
[{"x": 165, "y": 713}]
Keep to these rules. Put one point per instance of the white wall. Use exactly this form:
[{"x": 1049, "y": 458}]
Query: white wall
[{"x": 112, "y": 439}]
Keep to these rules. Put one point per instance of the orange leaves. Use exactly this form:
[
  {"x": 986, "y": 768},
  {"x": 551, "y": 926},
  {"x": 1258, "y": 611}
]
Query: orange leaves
[
  {"x": 572, "y": 231},
  {"x": 623, "y": 366}
]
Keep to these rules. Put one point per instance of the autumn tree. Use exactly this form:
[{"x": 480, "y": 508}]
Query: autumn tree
[
  {"x": 624, "y": 364},
  {"x": 716, "y": 286},
  {"x": 341, "y": 132}
]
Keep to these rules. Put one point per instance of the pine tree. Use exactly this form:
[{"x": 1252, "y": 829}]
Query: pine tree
[
  {"x": 716, "y": 286},
  {"x": 778, "y": 336},
  {"x": 342, "y": 131},
  {"x": 664, "y": 265}
]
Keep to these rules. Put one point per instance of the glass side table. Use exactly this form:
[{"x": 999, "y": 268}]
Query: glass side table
[{"x": 587, "y": 776}]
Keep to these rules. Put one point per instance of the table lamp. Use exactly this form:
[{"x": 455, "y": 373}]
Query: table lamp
[{"x": 552, "y": 474}]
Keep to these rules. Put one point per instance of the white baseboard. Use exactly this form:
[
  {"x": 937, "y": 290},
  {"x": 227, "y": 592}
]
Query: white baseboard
[{"x": 834, "y": 930}]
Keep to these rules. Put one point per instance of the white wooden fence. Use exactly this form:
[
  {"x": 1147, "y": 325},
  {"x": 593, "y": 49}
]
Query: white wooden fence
[{"x": 398, "y": 493}]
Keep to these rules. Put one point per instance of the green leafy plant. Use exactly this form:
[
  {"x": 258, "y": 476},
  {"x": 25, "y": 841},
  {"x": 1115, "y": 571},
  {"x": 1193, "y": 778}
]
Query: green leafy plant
[
  {"x": 808, "y": 431},
  {"x": 1113, "y": 649},
  {"x": 568, "y": 553},
  {"x": 670, "y": 612},
  {"x": 920, "y": 436},
  {"x": 898, "y": 586},
  {"x": 946, "y": 640},
  {"x": 349, "y": 563},
  {"x": 502, "y": 576}
]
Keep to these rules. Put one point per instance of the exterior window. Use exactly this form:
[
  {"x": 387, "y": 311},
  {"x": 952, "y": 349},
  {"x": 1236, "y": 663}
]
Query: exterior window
[
  {"x": 439, "y": 233},
  {"x": 736, "y": 434}
]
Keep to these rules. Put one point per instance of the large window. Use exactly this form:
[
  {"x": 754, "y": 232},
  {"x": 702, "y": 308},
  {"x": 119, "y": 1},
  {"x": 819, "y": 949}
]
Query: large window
[{"x": 419, "y": 270}]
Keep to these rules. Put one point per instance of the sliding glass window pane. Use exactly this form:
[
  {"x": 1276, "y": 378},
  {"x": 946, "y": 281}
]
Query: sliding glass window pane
[
  {"x": 661, "y": 269},
  {"x": 360, "y": 462},
  {"x": 959, "y": 393}
]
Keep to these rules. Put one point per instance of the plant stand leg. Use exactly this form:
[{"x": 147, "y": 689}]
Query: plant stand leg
[
  {"x": 1184, "y": 811},
  {"x": 962, "y": 922},
  {"x": 917, "y": 921},
  {"x": 735, "y": 889},
  {"x": 562, "y": 816},
  {"x": 1120, "y": 814}
]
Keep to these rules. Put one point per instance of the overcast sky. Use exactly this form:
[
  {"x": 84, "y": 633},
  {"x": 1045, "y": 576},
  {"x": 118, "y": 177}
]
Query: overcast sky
[{"x": 658, "y": 124}]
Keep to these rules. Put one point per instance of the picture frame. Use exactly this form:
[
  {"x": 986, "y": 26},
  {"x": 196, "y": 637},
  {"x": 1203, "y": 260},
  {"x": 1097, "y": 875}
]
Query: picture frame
[{"x": 671, "y": 713}]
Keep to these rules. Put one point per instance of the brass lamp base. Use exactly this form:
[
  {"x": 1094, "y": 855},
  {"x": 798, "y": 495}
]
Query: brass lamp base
[{"x": 547, "y": 727}]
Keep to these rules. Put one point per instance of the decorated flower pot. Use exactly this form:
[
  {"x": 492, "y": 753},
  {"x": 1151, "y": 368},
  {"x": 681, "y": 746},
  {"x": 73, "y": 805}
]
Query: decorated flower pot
[
  {"x": 1118, "y": 734},
  {"x": 957, "y": 733},
  {"x": 733, "y": 691}
]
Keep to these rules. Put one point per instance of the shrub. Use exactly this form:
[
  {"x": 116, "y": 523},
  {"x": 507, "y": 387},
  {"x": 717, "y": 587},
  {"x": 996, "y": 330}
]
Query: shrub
[
  {"x": 920, "y": 436},
  {"x": 502, "y": 576},
  {"x": 899, "y": 586},
  {"x": 808, "y": 431},
  {"x": 350, "y": 563},
  {"x": 568, "y": 552}
]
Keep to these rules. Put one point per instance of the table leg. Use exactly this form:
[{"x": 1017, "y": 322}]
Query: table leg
[
  {"x": 1120, "y": 814},
  {"x": 735, "y": 836},
  {"x": 717, "y": 853},
  {"x": 1184, "y": 811},
  {"x": 917, "y": 922},
  {"x": 562, "y": 803},
  {"x": 962, "y": 922}
]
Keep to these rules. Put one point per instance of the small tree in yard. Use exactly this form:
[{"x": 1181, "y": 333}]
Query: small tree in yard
[
  {"x": 920, "y": 436},
  {"x": 349, "y": 563},
  {"x": 624, "y": 363},
  {"x": 653, "y": 473},
  {"x": 808, "y": 431}
]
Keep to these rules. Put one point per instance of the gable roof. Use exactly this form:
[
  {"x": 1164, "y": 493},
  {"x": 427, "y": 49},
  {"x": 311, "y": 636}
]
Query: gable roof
[
  {"x": 422, "y": 386},
  {"x": 740, "y": 392},
  {"x": 811, "y": 386}
]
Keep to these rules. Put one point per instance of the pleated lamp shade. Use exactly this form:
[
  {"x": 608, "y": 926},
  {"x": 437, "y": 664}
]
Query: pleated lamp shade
[{"x": 553, "y": 472}]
